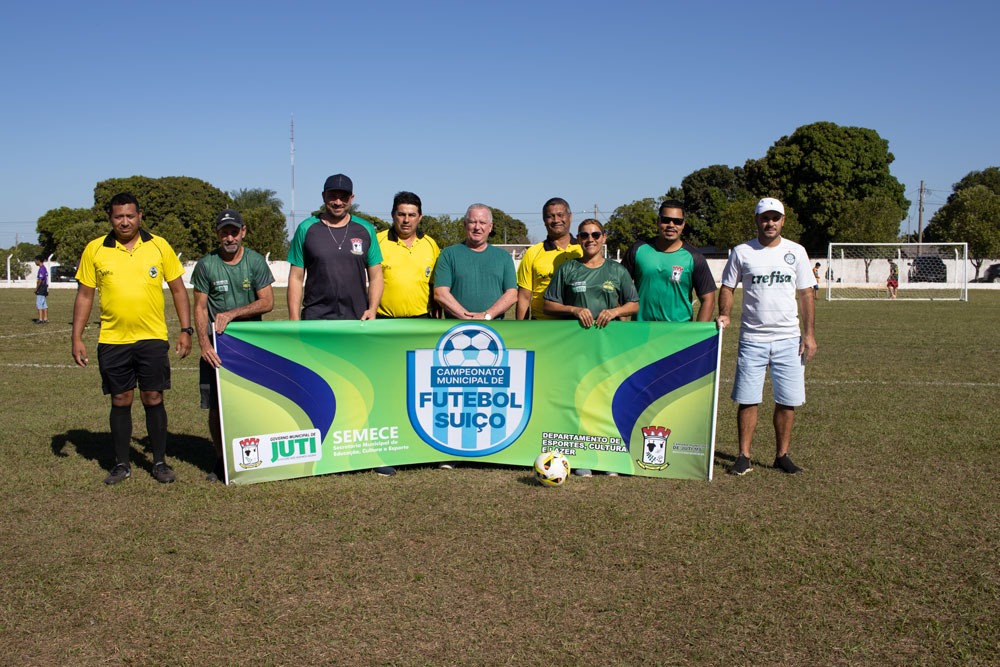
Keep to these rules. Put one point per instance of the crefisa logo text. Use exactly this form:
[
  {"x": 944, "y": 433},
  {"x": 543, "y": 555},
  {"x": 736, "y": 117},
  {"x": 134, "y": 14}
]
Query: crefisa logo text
[{"x": 470, "y": 395}]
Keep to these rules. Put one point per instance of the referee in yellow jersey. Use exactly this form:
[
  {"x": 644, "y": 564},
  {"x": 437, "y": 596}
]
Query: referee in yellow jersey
[
  {"x": 129, "y": 267},
  {"x": 408, "y": 257}
]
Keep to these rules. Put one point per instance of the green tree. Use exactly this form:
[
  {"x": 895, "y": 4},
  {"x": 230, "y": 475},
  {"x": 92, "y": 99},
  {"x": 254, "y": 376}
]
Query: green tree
[
  {"x": 194, "y": 203},
  {"x": 507, "y": 229},
  {"x": 821, "y": 167},
  {"x": 736, "y": 224},
  {"x": 990, "y": 177},
  {"x": 940, "y": 226},
  {"x": 971, "y": 215},
  {"x": 267, "y": 230},
  {"x": 673, "y": 192},
  {"x": 247, "y": 198},
  {"x": 447, "y": 231},
  {"x": 172, "y": 228},
  {"x": 444, "y": 229},
  {"x": 378, "y": 222},
  {"x": 73, "y": 239},
  {"x": 968, "y": 217},
  {"x": 707, "y": 192},
  {"x": 51, "y": 225},
  {"x": 871, "y": 220},
  {"x": 22, "y": 256},
  {"x": 631, "y": 222}
]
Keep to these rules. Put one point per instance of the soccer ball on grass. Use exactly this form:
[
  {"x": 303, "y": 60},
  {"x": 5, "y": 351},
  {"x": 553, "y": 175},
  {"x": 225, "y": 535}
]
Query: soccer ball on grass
[{"x": 551, "y": 469}]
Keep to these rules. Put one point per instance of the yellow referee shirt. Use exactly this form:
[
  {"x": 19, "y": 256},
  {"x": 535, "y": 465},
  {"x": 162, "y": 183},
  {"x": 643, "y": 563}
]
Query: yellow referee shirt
[
  {"x": 130, "y": 285},
  {"x": 407, "y": 271},
  {"x": 535, "y": 271}
]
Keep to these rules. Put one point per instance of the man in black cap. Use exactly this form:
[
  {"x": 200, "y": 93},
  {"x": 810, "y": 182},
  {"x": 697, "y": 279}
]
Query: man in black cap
[
  {"x": 230, "y": 283},
  {"x": 341, "y": 256}
]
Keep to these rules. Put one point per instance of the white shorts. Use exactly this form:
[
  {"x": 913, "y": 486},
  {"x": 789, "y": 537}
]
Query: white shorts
[{"x": 788, "y": 372}]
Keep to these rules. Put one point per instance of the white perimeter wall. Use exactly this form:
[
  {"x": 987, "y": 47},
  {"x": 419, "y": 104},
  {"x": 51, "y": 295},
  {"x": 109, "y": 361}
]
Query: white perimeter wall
[{"x": 847, "y": 271}]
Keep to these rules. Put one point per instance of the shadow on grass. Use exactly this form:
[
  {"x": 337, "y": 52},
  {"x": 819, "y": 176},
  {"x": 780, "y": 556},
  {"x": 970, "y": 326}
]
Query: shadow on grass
[{"x": 97, "y": 447}]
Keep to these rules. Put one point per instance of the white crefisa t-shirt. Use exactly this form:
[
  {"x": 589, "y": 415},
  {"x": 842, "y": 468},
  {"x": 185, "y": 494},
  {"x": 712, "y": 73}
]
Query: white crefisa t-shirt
[{"x": 771, "y": 278}]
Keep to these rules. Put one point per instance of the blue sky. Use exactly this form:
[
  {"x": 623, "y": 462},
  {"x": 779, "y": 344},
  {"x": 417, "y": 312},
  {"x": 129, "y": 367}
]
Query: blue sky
[{"x": 505, "y": 103}]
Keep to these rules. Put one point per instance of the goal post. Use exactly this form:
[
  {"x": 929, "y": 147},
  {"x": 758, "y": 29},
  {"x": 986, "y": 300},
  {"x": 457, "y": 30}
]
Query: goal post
[{"x": 903, "y": 271}]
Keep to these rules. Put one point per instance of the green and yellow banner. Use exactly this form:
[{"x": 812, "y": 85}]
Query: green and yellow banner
[{"x": 309, "y": 398}]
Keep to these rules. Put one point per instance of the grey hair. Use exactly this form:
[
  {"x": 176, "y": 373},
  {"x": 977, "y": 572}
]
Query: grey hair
[{"x": 478, "y": 206}]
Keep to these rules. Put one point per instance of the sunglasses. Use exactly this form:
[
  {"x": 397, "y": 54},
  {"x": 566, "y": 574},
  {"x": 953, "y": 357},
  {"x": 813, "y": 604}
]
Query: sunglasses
[
  {"x": 774, "y": 217},
  {"x": 590, "y": 235},
  {"x": 677, "y": 222}
]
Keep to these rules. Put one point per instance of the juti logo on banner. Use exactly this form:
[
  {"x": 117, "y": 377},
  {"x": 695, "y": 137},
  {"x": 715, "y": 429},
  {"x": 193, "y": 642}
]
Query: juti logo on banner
[{"x": 279, "y": 448}]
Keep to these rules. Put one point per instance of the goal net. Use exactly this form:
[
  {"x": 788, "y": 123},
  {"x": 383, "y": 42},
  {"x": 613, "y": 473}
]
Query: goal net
[{"x": 869, "y": 271}]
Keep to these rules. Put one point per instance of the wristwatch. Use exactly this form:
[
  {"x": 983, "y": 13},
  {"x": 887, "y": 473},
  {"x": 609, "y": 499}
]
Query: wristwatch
[
  {"x": 188, "y": 330},
  {"x": 487, "y": 316}
]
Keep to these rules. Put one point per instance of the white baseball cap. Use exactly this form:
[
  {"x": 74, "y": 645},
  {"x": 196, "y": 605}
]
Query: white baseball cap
[{"x": 769, "y": 204}]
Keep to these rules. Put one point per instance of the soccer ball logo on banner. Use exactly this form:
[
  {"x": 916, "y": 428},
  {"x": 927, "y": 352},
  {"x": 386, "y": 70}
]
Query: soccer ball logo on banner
[
  {"x": 470, "y": 395},
  {"x": 479, "y": 349}
]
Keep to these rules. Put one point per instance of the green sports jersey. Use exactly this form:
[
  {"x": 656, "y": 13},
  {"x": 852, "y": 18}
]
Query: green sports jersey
[
  {"x": 230, "y": 286},
  {"x": 607, "y": 286},
  {"x": 666, "y": 280}
]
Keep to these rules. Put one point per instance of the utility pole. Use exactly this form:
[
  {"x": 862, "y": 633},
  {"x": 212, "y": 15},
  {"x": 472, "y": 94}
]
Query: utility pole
[
  {"x": 595, "y": 211},
  {"x": 920, "y": 215}
]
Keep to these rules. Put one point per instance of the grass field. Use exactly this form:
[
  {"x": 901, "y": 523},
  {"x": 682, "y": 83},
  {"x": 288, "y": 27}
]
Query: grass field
[{"x": 885, "y": 552}]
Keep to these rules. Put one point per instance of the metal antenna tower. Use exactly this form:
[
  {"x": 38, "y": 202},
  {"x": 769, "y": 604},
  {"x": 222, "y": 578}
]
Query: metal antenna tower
[{"x": 292, "y": 139}]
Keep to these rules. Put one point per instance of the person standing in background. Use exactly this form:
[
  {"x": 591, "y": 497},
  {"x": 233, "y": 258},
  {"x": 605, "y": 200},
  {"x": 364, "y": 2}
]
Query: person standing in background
[{"x": 42, "y": 291}]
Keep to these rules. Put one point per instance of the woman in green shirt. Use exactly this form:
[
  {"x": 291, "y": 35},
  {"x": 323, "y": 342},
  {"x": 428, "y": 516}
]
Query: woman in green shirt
[{"x": 591, "y": 288}]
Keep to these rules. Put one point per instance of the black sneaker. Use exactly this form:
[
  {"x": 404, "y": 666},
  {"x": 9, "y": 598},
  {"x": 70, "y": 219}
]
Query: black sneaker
[
  {"x": 119, "y": 473},
  {"x": 741, "y": 466},
  {"x": 385, "y": 471},
  {"x": 785, "y": 465},
  {"x": 163, "y": 473}
]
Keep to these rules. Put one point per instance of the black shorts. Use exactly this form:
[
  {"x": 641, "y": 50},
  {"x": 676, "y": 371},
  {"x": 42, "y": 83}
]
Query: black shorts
[
  {"x": 208, "y": 384},
  {"x": 146, "y": 363}
]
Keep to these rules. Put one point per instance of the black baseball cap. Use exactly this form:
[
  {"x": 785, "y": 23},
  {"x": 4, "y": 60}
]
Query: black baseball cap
[
  {"x": 228, "y": 218},
  {"x": 338, "y": 182}
]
